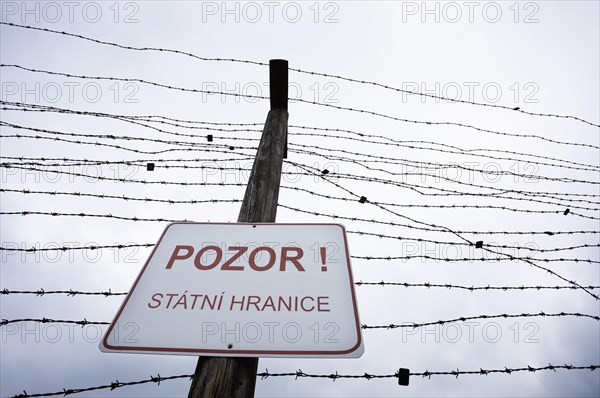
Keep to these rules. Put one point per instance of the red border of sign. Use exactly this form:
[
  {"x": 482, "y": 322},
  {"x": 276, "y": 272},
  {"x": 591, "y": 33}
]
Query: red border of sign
[{"x": 245, "y": 352}]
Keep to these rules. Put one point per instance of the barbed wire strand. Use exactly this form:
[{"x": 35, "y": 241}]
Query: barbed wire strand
[
  {"x": 340, "y": 175},
  {"x": 336, "y": 107},
  {"x": 144, "y": 162},
  {"x": 122, "y": 197},
  {"x": 116, "y": 384},
  {"x": 529, "y": 197},
  {"x": 214, "y": 201},
  {"x": 195, "y": 148},
  {"x": 73, "y": 292},
  {"x": 354, "y": 177},
  {"x": 25, "y": 106},
  {"x": 550, "y": 233},
  {"x": 70, "y": 292},
  {"x": 439, "y": 97},
  {"x": 448, "y": 286},
  {"x": 134, "y": 80},
  {"x": 405, "y": 144},
  {"x": 332, "y": 376},
  {"x": 127, "y": 218},
  {"x": 399, "y": 143},
  {"x": 82, "y": 323},
  {"x": 119, "y": 246},
  {"x": 426, "y": 374},
  {"x": 390, "y": 326},
  {"x": 470, "y": 318},
  {"x": 115, "y": 217},
  {"x": 412, "y": 186},
  {"x": 202, "y": 125},
  {"x": 107, "y": 43},
  {"x": 431, "y": 229},
  {"x": 364, "y": 200},
  {"x": 473, "y": 259},
  {"x": 34, "y": 249},
  {"x": 312, "y": 73}
]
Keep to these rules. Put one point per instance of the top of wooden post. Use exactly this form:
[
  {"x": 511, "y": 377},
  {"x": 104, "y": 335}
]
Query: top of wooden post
[{"x": 278, "y": 83}]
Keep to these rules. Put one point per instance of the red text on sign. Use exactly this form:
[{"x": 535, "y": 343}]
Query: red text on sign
[{"x": 287, "y": 255}]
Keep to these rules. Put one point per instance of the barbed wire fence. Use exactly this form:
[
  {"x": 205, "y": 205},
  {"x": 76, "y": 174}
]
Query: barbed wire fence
[
  {"x": 333, "y": 376},
  {"x": 374, "y": 170}
]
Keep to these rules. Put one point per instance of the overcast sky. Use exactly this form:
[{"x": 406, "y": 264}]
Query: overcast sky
[{"x": 542, "y": 57}]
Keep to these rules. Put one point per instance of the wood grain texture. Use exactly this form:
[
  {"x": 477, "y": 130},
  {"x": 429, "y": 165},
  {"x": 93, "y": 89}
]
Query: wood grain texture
[{"x": 262, "y": 191}]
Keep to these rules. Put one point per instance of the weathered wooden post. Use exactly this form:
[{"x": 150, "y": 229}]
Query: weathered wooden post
[{"x": 236, "y": 377}]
